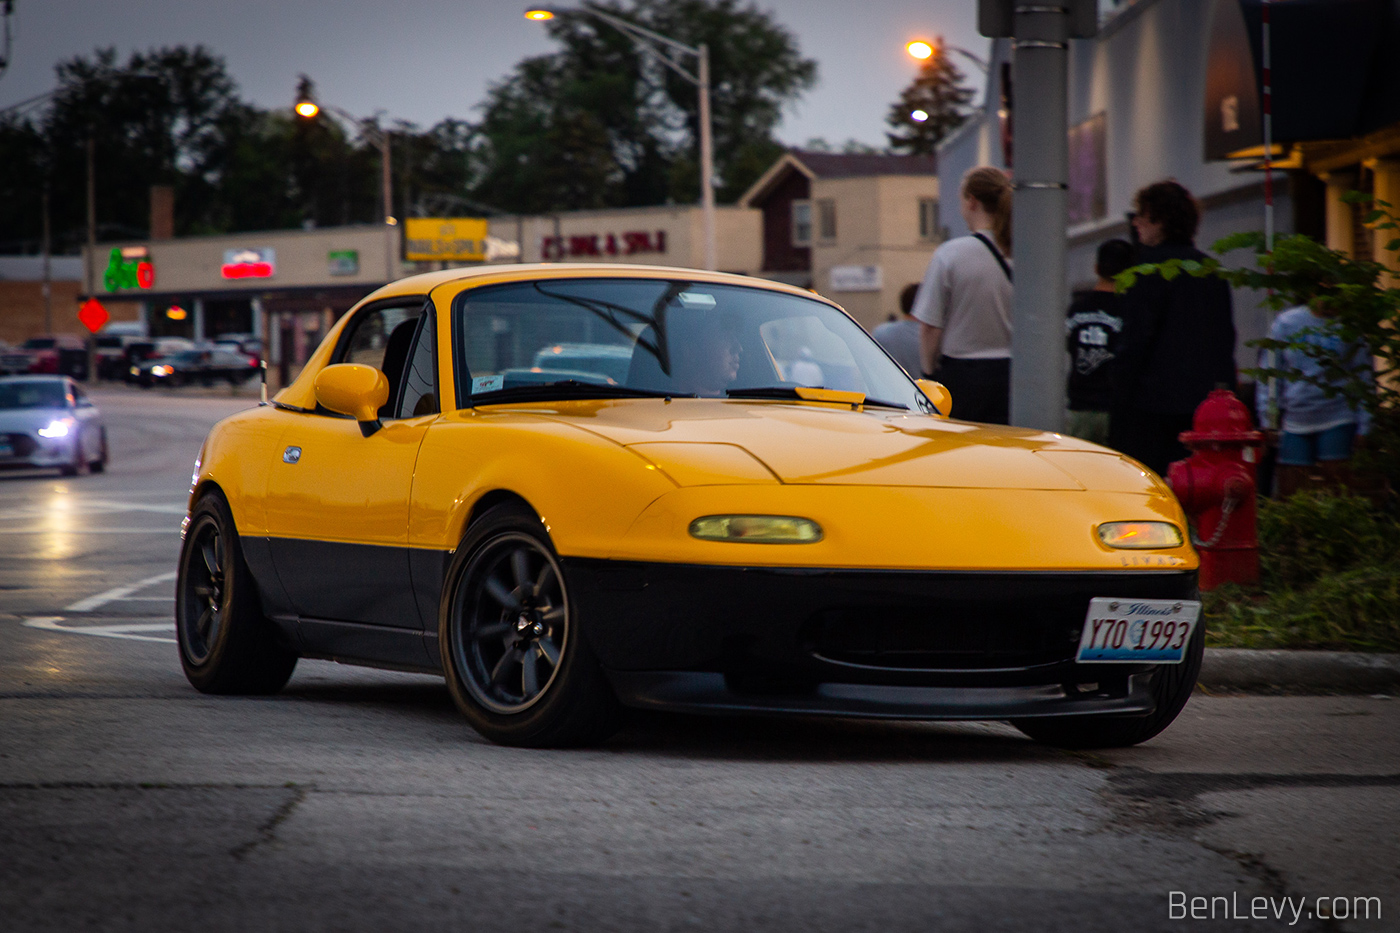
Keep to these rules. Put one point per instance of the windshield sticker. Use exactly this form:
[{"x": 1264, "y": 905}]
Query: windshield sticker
[
  {"x": 487, "y": 383},
  {"x": 696, "y": 299}
]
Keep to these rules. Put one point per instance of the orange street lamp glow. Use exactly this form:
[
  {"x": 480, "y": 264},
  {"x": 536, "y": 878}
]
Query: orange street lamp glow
[
  {"x": 919, "y": 49},
  {"x": 539, "y": 15},
  {"x": 307, "y": 109}
]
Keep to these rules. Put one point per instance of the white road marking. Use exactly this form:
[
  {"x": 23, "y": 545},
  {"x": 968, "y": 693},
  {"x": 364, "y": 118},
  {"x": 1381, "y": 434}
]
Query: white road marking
[
  {"x": 125, "y": 630},
  {"x": 91, "y": 531},
  {"x": 116, "y": 593},
  {"x": 74, "y": 505}
]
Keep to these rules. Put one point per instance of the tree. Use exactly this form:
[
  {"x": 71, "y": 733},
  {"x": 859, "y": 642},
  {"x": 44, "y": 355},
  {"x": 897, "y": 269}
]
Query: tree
[
  {"x": 597, "y": 124},
  {"x": 938, "y": 93}
]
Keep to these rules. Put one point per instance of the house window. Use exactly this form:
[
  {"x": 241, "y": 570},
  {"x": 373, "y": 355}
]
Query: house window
[
  {"x": 826, "y": 219},
  {"x": 801, "y": 223},
  {"x": 928, "y": 218}
]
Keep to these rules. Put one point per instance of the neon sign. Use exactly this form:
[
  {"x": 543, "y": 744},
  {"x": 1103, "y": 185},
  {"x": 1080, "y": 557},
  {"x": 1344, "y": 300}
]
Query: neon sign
[
  {"x": 610, "y": 244},
  {"x": 128, "y": 268},
  {"x": 249, "y": 263}
]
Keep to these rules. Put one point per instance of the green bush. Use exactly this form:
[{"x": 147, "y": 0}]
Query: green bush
[{"x": 1329, "y": 578}]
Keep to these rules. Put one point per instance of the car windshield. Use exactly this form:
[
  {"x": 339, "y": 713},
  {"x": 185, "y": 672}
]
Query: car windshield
[
  {"x": 32, "y": 394},
  {"x": 40, "y": 343},
  {"x": 563, "y": 338}
]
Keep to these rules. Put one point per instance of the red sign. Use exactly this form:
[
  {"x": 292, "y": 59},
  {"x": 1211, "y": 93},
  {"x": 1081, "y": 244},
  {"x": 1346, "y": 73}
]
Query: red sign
[
  {"x": 603, "y": 244},
  {"x": 92, "y": 315}
]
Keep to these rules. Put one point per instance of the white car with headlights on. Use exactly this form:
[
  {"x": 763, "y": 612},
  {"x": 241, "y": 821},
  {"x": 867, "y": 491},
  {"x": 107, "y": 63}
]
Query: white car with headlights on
[{"x": 49, "y": 421}]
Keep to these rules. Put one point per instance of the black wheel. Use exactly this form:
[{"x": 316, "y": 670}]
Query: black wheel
[
  {"x": 100, "y": 464},
  {"x": 226, "y": 644},
  {"x": 1171, "y": 688},
  {"x": 514, "y": 657}
]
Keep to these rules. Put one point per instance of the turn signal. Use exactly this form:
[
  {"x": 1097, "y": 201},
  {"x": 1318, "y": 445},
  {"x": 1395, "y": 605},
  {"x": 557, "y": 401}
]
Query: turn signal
[
  {"x": 1140, "y": 535},
  {"x": 757, "y": 529}
]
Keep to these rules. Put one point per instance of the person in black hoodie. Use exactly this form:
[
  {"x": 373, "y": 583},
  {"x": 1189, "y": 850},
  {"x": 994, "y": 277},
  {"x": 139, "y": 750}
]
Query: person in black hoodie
[{"x": 1178, "y": 336}]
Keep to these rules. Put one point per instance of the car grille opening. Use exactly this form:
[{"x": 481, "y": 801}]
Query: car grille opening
[{"x": 950, "y": 635}]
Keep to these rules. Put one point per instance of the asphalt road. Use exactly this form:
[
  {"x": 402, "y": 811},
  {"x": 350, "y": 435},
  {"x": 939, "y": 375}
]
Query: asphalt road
[{"x": 359, "y": 801}]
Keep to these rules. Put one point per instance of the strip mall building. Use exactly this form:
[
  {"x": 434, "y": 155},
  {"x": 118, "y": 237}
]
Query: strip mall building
[{"x": 856, "y": 228}]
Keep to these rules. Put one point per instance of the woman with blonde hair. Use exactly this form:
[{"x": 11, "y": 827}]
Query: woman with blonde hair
[{"x": 964, "y": 303}]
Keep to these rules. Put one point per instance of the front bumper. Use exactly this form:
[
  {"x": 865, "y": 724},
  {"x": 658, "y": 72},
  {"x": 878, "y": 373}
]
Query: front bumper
[
  {"x": 898, "y": 644},
  {"x": 28, "y": 450}
]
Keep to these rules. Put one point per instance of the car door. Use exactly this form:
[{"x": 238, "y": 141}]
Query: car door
[{"x": 337, "y": 502}]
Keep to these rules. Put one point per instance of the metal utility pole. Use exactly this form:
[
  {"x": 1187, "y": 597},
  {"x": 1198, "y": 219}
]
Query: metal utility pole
[
  {"x": 1040, "y": 128},
  {"x": 661, "y": 48},
  {"x": 48, "y": 262},
  {"x": 91, "y": 247}
]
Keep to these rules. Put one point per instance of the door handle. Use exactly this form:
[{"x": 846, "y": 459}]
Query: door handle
[{"x": 291, "y": 455}]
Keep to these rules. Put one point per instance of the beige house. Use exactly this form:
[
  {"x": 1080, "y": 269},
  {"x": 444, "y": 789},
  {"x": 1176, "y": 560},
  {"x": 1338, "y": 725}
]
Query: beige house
[{"x": 856, "y": 228}]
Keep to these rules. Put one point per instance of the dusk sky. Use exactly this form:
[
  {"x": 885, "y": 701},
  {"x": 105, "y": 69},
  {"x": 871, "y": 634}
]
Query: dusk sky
[{"x": 422, "y": 60}]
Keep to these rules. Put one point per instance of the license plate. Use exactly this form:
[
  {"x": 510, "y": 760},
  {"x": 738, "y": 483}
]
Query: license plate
[{"x": 1154, "y": 631}]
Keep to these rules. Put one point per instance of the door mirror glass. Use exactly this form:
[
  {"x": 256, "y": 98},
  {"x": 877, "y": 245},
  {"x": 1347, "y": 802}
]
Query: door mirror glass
[
  {"x": 938, "y": 394},
  {"x": 352, "y": 389}
]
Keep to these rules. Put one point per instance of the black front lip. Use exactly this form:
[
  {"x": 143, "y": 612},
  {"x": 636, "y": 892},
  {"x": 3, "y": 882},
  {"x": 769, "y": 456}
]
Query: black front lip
[
  {"x": 698, "y": 692},
  {"x": 914, "y": 644}
]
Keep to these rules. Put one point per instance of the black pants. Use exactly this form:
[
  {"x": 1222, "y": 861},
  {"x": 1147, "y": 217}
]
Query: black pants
[
  {"x": 981, "y": 388},
  {"x": 1148, "y": 436}
]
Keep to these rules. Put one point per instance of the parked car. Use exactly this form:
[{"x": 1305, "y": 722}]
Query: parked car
[
  {"x": 114, "y": 353},
  {"x": 49, "y": 421},
  {"x": 61, "y": 354},
  {"x": 246, "y": 344},
  {"x": 13, "y": 360},
  {"x": 706, "y": 533},
  {"x": 198, "y": 366}
]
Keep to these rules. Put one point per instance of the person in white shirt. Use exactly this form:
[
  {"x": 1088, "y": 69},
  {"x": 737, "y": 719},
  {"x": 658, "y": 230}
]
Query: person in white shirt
[{"x": 964, "y": 304}]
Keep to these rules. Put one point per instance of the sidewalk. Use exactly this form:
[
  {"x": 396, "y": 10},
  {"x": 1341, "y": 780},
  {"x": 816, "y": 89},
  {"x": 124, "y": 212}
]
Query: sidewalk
[{"x": 1243, "y": 670}]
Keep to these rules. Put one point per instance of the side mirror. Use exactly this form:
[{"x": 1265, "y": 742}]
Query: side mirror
[
  {"x": 938, "y": 394},
  {"x": 354, "y": 390}
]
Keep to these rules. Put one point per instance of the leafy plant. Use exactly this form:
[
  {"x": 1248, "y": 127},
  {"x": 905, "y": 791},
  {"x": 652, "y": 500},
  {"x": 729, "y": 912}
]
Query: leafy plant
[
  {"x": 1353, "y": 296},
  {"x": 1329, "y": 578}
]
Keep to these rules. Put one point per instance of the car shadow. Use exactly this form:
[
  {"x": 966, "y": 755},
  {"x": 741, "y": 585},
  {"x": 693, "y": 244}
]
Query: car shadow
[{"x": 651, "y": 734}]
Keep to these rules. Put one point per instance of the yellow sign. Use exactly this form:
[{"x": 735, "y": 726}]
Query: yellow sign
[{"x": 461, "y": 239}]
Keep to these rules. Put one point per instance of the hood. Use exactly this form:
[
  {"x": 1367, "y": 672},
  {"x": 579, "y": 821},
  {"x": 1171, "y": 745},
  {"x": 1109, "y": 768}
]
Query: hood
[
  {"x": 700, "y": 442},
  {"x": 28, "y": 420}
]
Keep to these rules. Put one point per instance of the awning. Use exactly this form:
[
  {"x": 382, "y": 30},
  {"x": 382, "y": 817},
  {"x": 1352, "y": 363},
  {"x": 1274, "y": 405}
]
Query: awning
[{"x": 1334, "y": 74}]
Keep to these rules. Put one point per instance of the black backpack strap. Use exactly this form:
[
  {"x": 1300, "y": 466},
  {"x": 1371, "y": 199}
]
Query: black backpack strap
[{"x": 1001, "y": 260}]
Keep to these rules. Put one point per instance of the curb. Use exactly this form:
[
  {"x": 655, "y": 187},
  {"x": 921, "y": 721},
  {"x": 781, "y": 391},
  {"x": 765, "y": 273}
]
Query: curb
[{"x": 1243, "y": 669}]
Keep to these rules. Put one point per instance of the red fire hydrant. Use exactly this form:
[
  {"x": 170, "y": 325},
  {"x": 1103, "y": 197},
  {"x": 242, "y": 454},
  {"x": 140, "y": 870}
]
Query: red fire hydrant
[{"x": 1216, "y": 487}]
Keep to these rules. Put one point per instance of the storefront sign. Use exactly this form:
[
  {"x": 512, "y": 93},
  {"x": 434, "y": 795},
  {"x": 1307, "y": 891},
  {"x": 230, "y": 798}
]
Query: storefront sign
[
  {"x": 451, "y": 239},
  {"x": 258, "y": 263},
  {"x": 128, "y": 268},
  {"x": 597, "y": 245},
  {"x": 857, "y": 278},
  {"x": 344, "y": 261}
]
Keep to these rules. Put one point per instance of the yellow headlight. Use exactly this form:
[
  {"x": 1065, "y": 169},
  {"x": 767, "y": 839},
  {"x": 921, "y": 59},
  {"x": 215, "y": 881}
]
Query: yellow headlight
[
  {"x": 1140, "y": 535},
  {"x": 757, "y": 529}
]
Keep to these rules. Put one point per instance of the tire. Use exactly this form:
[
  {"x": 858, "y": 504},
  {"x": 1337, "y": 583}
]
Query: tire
[
  {"x": 227, "y": 646},
  {"x": 1171, "y": 688},
  {"x": 100, "y": 464},
  {"x": 512, "y": 651}
]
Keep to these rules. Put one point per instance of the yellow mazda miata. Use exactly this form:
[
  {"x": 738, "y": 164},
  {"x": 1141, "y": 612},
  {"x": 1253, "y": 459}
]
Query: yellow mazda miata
[{"x": 570, "y": 489}]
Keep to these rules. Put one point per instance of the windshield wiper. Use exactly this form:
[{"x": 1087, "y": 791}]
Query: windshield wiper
[
  {"x": 790, "y": 392},
  {"x": 567, "y": 389}
]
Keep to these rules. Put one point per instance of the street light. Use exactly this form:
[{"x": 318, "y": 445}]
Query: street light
[
  {"x": 307, "y": 108},
  {"x": 922, "y": 49},
  {"x": 655, "y": 44}
]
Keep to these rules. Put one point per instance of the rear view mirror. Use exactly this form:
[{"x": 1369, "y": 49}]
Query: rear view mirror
[
  {"x": 938, "y": 394},
  {"x": 354, "y": 390}
]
